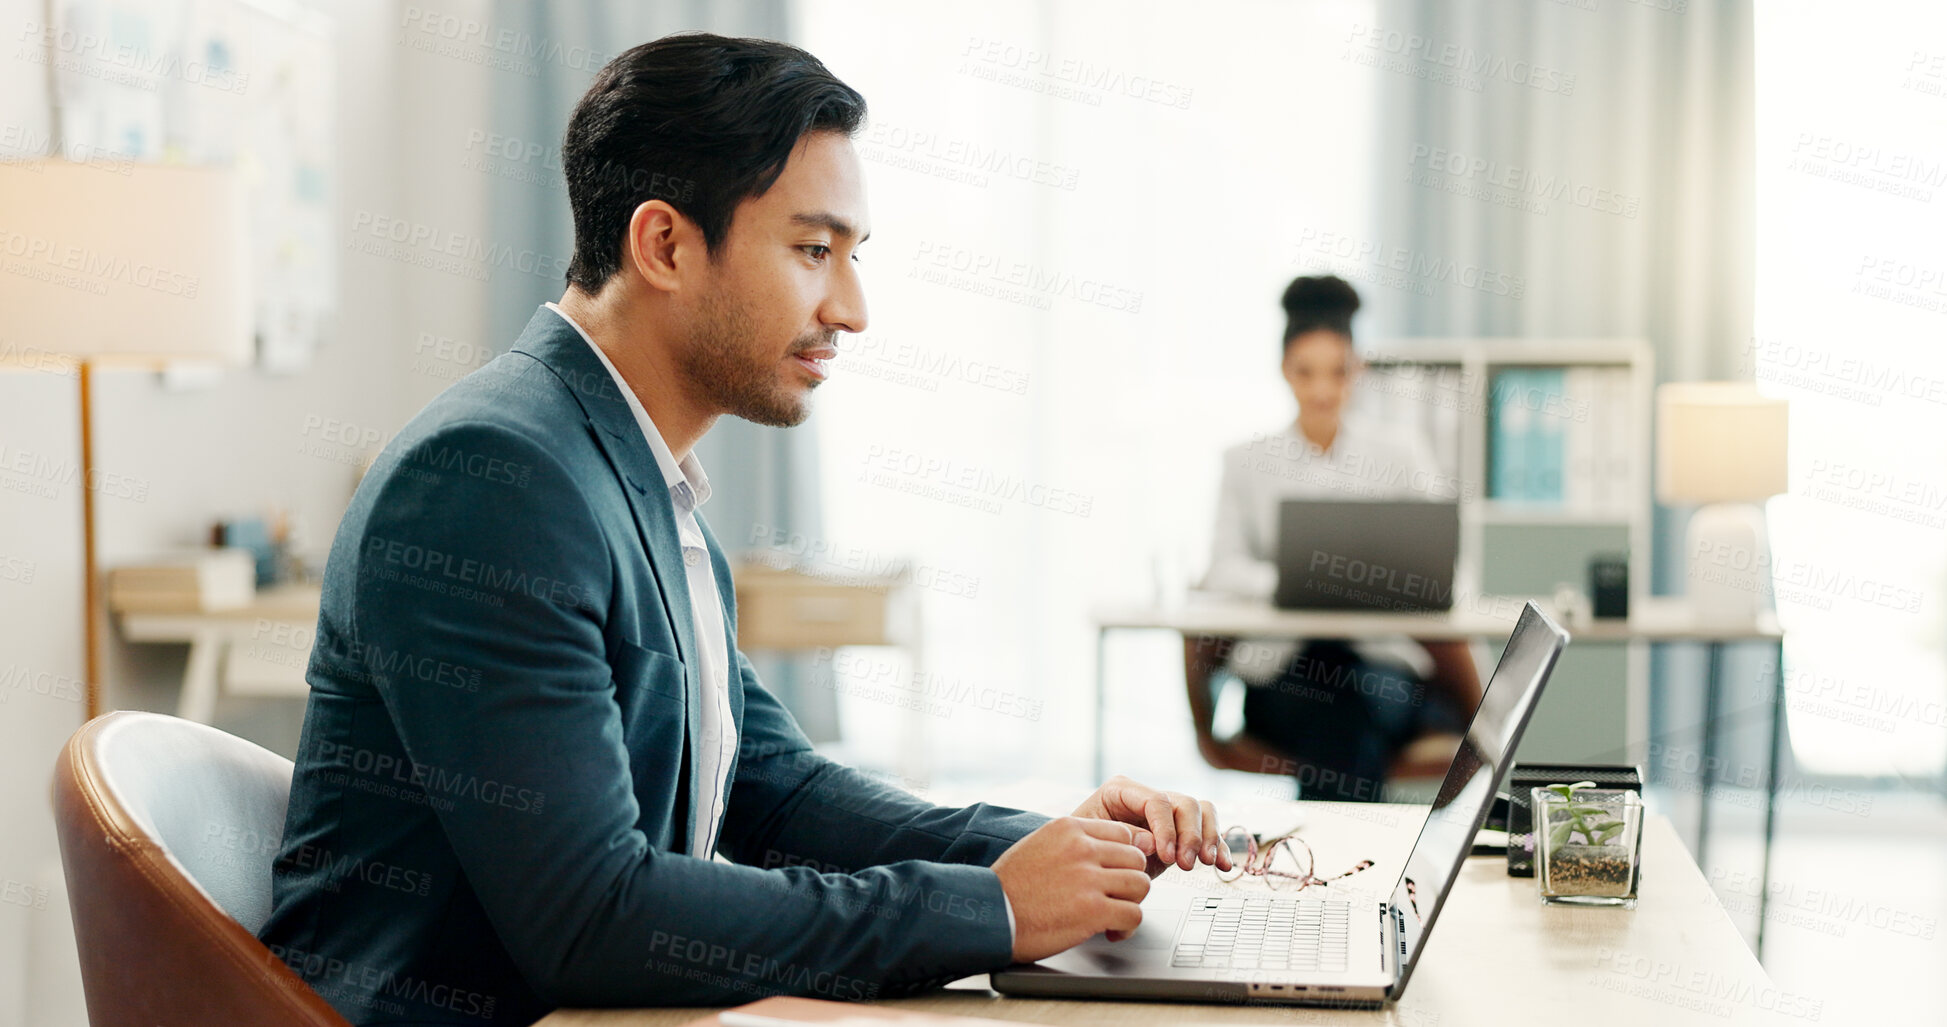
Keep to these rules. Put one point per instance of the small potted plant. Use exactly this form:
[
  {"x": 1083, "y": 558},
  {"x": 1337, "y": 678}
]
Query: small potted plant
[{"x": 1588, "y": 844}]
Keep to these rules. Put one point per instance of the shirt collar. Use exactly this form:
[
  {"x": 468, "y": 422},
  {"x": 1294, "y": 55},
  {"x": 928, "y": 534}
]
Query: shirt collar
[
  {"x": 686, "y": 480},
  {"x": 1349, "y": 430}
]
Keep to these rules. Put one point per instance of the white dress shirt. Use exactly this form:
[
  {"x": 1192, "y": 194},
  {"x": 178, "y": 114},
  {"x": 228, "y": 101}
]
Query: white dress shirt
[
  {"x": 1367, "y": 461},
  {"x": 689, "y": 488}
]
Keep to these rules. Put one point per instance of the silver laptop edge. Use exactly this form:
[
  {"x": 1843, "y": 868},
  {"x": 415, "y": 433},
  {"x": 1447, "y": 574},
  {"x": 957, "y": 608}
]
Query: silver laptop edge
[{"x": 1140, "y": 967}]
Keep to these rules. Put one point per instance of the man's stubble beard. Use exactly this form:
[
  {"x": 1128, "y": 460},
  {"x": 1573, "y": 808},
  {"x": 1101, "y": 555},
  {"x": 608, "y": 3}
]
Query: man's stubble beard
[{"x": 720, "y": 362}]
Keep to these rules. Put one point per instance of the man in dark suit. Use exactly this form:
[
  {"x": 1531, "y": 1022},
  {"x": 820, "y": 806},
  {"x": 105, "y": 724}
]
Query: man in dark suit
[{"x": 530, "y": 730}]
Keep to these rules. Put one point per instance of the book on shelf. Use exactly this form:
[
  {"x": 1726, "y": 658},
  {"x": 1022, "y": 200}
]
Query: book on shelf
[
  {"x": 1426, "y": 400},
  {"x": 1560, "y": 438}
]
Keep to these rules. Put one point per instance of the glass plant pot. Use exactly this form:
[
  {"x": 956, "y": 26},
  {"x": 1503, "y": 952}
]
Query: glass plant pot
[{"x": 1589, "y": 846}]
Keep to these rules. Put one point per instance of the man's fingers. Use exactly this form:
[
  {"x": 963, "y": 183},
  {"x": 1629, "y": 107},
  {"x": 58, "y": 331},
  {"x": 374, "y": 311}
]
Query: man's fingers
[
  {"x": 1129, "y": 885},
  {"x": 1123, "y": 799},
  {"x": 1180, "y": 829},
  {"x": 1212, "y": 840},
  {"x": 1158, "y": 811},
  {"x": 1192, "y": 839},
  {"x": 1124, "y": 916},
  {"x": 1118, "y": 844},
  {"x": 1118, "y": 855},
  {"x": 1108, "y": 830}
]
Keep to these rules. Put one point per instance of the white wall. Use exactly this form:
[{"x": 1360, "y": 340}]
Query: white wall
[{"x": 403, "y": 116}]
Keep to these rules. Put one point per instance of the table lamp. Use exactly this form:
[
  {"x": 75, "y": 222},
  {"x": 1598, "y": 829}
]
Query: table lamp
[
  {"x": 1722, "y": 445},
  {"x": 139, "y": 265}
]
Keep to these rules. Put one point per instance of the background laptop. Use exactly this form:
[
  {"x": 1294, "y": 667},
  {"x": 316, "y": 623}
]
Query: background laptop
[
  {"x": 1310, "y": 947},
  {"x": 1366, "y": 555}
]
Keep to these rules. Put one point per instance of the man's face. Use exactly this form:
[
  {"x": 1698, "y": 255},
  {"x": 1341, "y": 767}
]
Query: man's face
[{"x": 782, "y": 285}]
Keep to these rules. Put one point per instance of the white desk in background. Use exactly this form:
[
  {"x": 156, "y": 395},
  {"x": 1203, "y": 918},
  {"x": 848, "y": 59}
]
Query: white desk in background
[
  {"x": 258, "y": 649},
  {"x": 1651, "y": 620}
]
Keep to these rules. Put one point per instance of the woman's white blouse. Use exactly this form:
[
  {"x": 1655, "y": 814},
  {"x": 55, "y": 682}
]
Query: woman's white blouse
[{"x": 1367, "y": 461}]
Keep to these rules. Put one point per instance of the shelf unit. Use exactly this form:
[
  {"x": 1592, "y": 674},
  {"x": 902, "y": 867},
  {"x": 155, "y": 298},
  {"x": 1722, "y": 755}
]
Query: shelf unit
[{"x": 1516, "y": 548}]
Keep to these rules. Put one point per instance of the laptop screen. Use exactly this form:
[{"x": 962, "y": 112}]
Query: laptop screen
[
  {"x": 1372, "y": 555},
  {"x": 1478, "y": 769}
]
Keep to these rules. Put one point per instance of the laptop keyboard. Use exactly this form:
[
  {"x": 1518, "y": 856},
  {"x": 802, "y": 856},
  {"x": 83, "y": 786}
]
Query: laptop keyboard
[{"x": 1264, "y": 932}]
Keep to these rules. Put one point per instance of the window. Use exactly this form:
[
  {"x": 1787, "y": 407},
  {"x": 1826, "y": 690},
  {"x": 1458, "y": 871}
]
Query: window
[
  {"x": 1851, "y": 318},
  {"x": 1083, "y": 217}
]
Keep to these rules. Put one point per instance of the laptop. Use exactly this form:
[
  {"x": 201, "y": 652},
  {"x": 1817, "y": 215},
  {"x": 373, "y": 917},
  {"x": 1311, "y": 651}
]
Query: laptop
[
  {"x": 1312, "y": 947},
  {"x": 1396, "y": 555}
]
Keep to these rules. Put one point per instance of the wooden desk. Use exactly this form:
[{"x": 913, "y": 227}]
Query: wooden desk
[
  {"x": 266, "y": 645},
  {"x": 1496, "y": 956}
]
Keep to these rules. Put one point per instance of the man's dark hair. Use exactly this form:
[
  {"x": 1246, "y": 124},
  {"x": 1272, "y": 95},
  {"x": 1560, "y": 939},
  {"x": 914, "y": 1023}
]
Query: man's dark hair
[{"x": 702, "y": 122}]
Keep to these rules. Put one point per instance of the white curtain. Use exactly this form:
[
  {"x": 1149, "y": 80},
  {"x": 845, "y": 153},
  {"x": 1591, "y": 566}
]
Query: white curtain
[
  {"x": 1084, "y": 214},
  {"x": 763, "y": 479},
  {"x": 1596, "y": 162}
]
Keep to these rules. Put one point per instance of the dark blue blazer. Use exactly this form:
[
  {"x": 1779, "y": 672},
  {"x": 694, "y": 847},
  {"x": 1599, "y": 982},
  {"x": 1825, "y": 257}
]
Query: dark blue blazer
[{"x": 492, "y": 804}]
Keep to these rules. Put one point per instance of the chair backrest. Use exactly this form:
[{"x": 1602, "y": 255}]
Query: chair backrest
[{"x": 167, "y": 831}]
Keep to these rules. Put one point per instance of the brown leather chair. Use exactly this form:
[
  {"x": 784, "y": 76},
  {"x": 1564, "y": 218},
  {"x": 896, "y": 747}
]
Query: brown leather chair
[{"x": 167, "y": 831}]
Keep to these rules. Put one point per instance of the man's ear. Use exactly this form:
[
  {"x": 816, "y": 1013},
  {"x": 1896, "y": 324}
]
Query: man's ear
[{"x": 661, "y": 243}]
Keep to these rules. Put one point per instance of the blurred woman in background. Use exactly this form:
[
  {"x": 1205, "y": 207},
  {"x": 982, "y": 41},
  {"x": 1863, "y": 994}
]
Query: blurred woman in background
[{"x": 1340, "y": 716}]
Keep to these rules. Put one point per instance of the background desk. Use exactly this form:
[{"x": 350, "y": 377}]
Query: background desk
[
  {"x": 259, "y": 649},
  {"x": 1497, "y": 955},
  {"x": 1491, "y": 618}
]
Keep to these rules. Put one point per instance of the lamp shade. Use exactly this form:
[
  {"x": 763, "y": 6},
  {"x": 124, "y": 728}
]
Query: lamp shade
[
  {"x": 143, "y": 263},
  {"x": 1719, "y": 442}
]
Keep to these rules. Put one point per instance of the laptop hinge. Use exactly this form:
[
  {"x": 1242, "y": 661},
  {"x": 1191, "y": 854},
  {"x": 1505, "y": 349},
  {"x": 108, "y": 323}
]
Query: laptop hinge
[{"x": 1395, "y": 934}]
